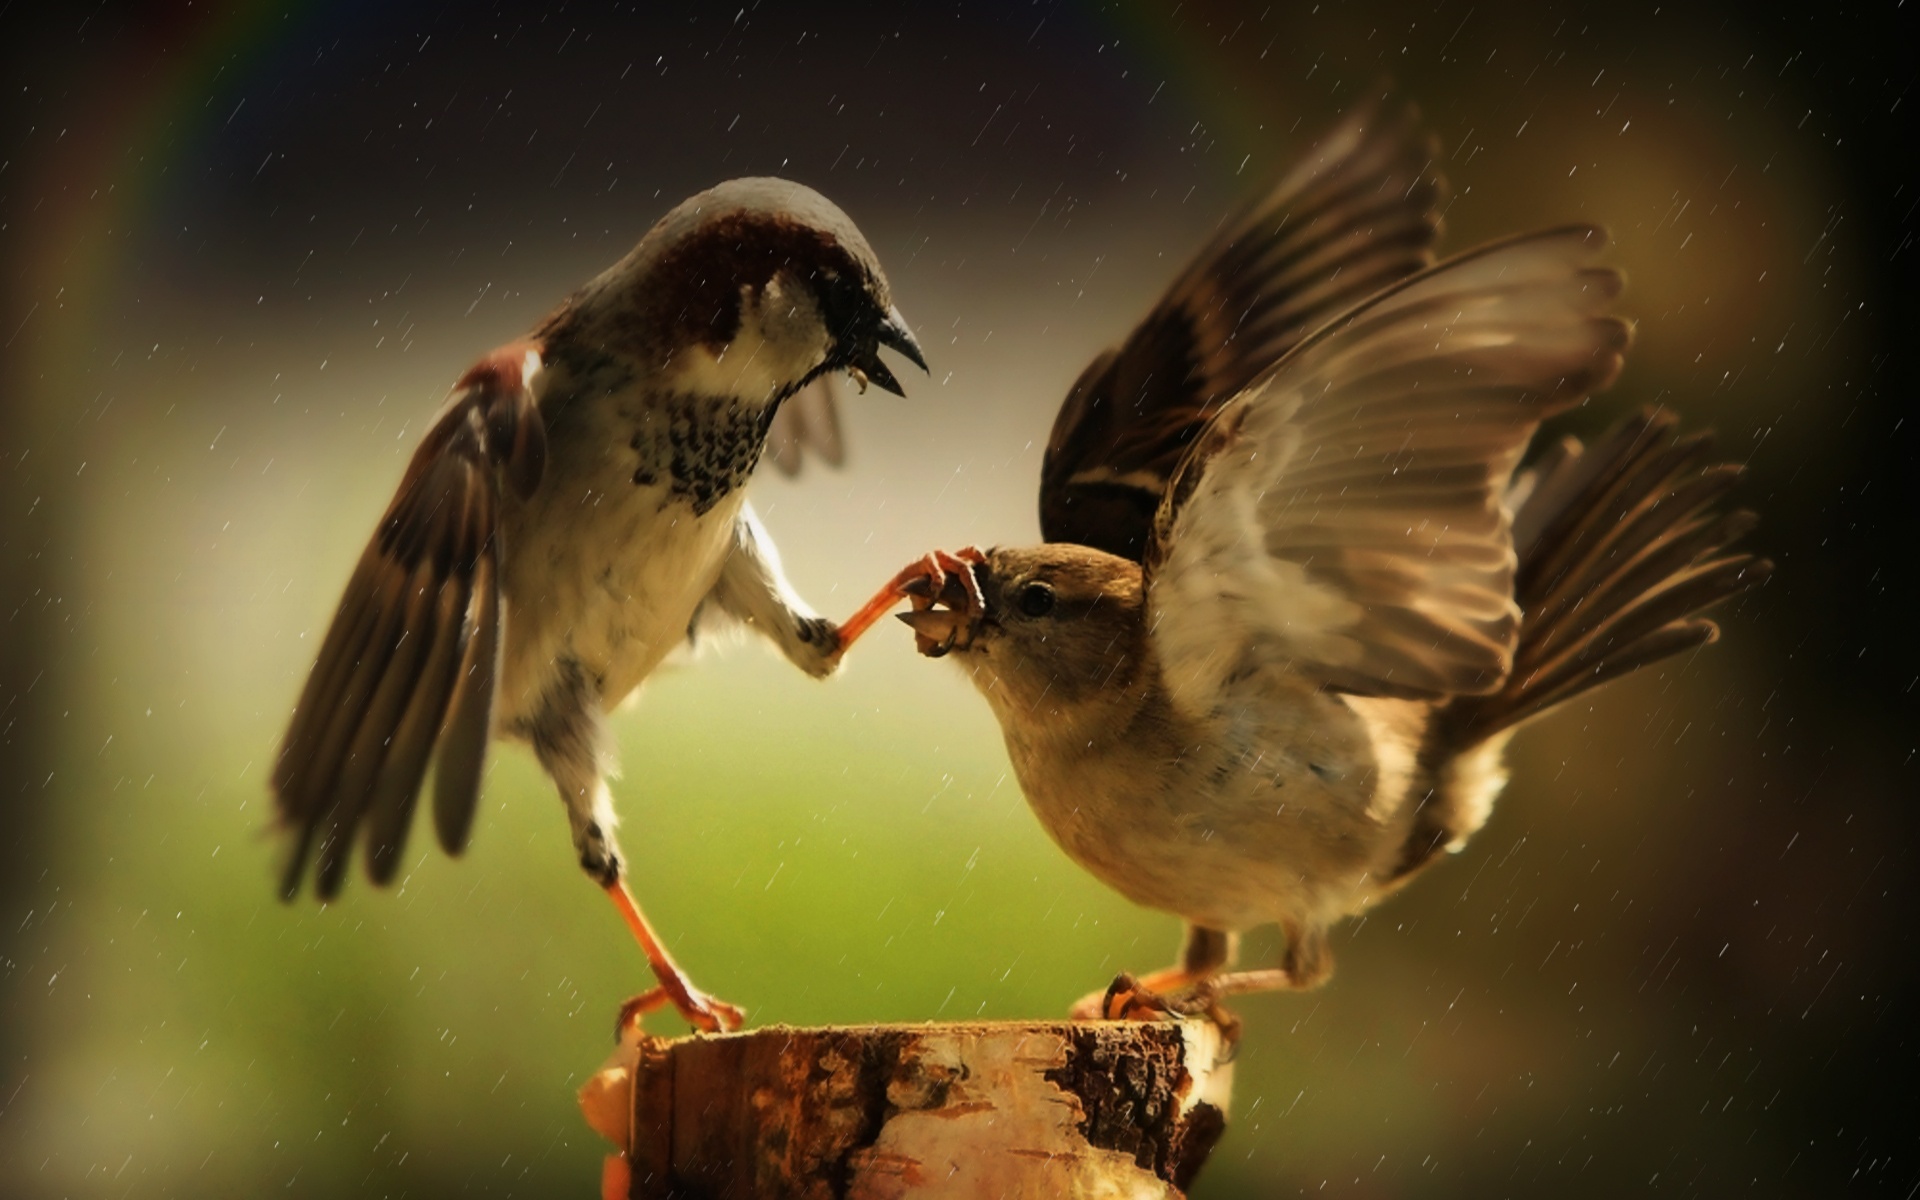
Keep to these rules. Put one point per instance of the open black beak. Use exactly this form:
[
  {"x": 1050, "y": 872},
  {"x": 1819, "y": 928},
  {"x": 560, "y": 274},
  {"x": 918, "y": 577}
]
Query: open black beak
[{"x": 892, "y": 332}]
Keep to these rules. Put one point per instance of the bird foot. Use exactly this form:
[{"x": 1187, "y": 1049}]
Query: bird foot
[
  {"x": 636, "y": 1007},
  {"x": 709, "y": 1014},
  {"x": 703, "y": 1012},
  {"x": 927, "y": 579},
  {"x": 1131, "y": 999},
  {"x": 947, "y": 580}
]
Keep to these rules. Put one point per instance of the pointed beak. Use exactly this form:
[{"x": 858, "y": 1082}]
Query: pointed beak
[
  {"x": 937, "y": 630},
  {"x": 892, "y": 332},
  {"x": 895, "y": 335}
]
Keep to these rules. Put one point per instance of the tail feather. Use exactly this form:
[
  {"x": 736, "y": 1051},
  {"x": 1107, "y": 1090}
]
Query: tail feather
[
  {"x": 1612, "y": 512},
  {"x": 1665, "y": 534},
  {"x": 1619, "y": 554}
]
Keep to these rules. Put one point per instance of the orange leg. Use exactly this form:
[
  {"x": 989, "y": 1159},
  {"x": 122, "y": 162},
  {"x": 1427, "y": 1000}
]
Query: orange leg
[
  {"x": 636, "y": 1007},
  {"x": 1246, "y": 983},
  {"x": 1186, "y": 988},
  {"x": 933, "y": 569},
  {"x": 1131, "y": 998},
  {"x": 701, "y": 1011}
]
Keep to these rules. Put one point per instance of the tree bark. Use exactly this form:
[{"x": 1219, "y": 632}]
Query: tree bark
[{"x": 872, "y": 1112}]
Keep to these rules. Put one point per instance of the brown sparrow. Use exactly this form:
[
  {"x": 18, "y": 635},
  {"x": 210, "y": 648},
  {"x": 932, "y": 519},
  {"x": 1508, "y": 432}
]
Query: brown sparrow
[
  {"x": 1294, "y": 598},
  {"x": 578, "y": 501}
]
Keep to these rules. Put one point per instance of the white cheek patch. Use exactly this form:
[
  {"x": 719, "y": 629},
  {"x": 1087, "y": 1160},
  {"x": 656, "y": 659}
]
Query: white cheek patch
[{"x": 781, "y": 341}]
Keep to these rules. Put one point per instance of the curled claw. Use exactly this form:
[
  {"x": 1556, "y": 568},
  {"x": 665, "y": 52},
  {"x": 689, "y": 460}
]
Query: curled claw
[
  {"x": 949, "y": 580},
  {"x": 1129, "y": 998},
  {"x": 637, "y": 1007},
  {"x": 705, "y": 1013},
  {"x": 709, "y": 1014},
  {"x": 960, "y": 566},
  {"x": 935, "y": 578}
]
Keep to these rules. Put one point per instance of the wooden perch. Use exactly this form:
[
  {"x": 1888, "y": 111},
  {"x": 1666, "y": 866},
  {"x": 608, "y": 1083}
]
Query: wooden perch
[{"x": 871, "y": 1112}]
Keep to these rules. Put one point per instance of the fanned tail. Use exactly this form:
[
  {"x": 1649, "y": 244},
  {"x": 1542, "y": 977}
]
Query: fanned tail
[{"x": 1620, "y": 552}]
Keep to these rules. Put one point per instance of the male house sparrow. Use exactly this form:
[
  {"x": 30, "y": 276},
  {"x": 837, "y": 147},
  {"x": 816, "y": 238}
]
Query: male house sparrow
[
  {"x": 1294, "y": 598},
  {"x": 578, "y": 500}
]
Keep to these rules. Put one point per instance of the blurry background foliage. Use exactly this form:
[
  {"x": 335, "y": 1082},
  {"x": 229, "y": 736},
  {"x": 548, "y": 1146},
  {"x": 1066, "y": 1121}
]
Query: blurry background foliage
[{"x": 247, "y": 246}]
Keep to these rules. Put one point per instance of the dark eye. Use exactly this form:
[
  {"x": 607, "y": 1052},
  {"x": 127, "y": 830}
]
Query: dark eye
[{"x": 1036, "y": 600}]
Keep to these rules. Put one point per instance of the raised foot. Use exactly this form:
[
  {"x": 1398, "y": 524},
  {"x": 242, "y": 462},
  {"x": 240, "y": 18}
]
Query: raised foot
[{"x": 924, "y": 580}]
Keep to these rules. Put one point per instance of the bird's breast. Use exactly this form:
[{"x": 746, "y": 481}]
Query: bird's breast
[
  {"x": 605, "y": 564},
  {"x": 700, "y": 448},
  {"x": 656, "y": 414},
  {"x": 1232, "y": 822}
]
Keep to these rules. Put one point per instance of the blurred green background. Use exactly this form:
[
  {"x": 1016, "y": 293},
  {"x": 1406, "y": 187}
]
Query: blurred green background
[{"x": 247, "y": 246}]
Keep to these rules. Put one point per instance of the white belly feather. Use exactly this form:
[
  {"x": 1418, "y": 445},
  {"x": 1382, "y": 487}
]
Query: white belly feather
[{"x": 610, "y": 581}]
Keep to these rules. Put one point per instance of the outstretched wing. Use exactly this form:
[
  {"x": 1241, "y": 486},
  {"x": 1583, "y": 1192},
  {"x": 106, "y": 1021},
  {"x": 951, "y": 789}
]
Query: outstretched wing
[
  {"x": 1343, "y": 516},
  {"x": 1362, "y": 211},
  {"x": 408, "y": 663}
]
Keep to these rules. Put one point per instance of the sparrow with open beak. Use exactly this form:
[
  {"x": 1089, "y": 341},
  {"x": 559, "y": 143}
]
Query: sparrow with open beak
[
  {"x": 578, "y": 500},
  {"x": 1295, "y": 598}
]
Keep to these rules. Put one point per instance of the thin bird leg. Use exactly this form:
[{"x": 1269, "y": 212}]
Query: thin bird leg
[
  {"x": 884, "y": 600},
  {"x": 1246, "y": 983},
  {"x": 1176, "y": 989},
  {"x": 700, "y": 1010},
  {"x": 934, "y": 569},
  {"x": 1306, "y": 965}
]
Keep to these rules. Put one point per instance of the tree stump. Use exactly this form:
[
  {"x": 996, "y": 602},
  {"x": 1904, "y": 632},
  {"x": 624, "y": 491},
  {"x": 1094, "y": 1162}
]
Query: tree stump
[{"x": 872, "y": 1112}]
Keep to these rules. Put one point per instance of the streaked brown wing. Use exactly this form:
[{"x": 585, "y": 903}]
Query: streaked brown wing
[
  {"x": 1343, "y": 518},
  {"x": 807, "y": 425},
  {"x": 1360, "y": 212},
  {"x": 408, "y": 663}
]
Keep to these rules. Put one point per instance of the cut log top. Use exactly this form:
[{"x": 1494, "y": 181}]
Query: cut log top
[{"x": 870, "y": 1112}]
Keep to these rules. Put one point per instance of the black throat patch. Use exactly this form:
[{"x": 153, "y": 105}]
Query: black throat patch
[{"x": 702, "y": 447}]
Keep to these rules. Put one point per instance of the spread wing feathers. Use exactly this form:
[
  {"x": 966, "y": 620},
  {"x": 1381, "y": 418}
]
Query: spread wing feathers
[
  {"x": 408, "y": 662},
  {"x": 1361, "y": 212},
  {"x": 1620, "y": 551},
  {"x": 807, "y": 423},
  {"x": 1342, "y": 517}
]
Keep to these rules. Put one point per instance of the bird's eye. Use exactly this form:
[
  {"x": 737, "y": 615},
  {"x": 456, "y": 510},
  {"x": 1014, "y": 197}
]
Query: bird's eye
[{"x": 1036, "y": 600}]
